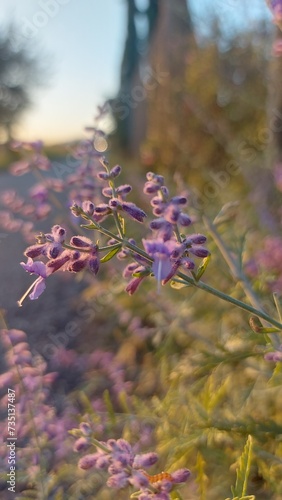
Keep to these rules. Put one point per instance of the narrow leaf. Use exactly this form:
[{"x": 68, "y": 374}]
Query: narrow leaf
[
  {"x": 201, "y": 476},
  {"x": 110, "y": 254},
  {"x": 178, "y": 284},
  {"x": 201, "y": 269},
  {"x": 243, "y": 470},
  {"x": 89, "y": 226}
]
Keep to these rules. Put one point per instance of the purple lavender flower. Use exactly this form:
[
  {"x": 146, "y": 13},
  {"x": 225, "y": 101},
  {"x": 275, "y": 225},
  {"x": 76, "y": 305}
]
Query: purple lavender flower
[
  {"x": 134, "y": 212},
  {"x": 88, "y": 461},
  {"x": 145, "y": 460},
  {"x": 275, "y": 356},
  {"x": 38, "y": 268},
  {"x": 124, "y": 468},
  {"x": 276, "y": 8},
  {"x": 161, "y": 252},
  {"x": 35, "y": 160},
  {"x": 89, "y": 259},
  {"x": 48, "y": 244},
  {"x": 81, "y": 444}
]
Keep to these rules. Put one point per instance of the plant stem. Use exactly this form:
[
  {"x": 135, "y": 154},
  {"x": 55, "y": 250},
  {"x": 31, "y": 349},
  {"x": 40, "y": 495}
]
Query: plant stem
[
  {"x": 190, "y": 281},
  {"x": 231, "y": 300},
  {"x": 237, "y": 273}
]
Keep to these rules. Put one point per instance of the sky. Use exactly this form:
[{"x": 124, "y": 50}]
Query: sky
[{"x": 83, "y": 41}]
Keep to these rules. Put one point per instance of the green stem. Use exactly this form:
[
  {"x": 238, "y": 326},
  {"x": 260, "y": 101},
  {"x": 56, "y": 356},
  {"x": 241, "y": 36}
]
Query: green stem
[
  {"x": 227, "y": 298},
  {"x": 98, "y": 444},
  {"x": 237, "y": 273},
  {"x": 190, "y": 281}
]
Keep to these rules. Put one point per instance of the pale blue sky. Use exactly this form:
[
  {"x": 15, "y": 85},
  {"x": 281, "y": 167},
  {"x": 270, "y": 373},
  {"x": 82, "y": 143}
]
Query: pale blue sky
[{"x": 84, "y": 40}]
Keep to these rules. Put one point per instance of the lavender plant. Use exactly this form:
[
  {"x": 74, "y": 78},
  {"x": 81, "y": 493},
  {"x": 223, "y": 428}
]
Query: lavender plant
[{"x": 168, "y": 255}]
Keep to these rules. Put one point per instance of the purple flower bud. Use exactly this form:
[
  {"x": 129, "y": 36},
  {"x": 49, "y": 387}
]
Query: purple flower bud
[
  {"x": 93, "y": 264},
  {"x": 157, "y": 224},
  {"x": 188, "y": 263},
  {"x": 158, "y": 211},
  {"x": 199, "y": 251},
  {"x": 179, "y": 200},
  {"x": 181, "y": 475},
  {"x": 155, "y": 178},
  {"x": 121, "y": 444},
  {"x": 88, "y": 461},
  {"x": 184, "y": 220},
  {"x": 118, "y": 481},
  {"x": 14, "y": 335},
  {"x": 108, "y": 192},
  {"x": 21, "y": 346},
  {"x": 114, "y": 204},
  {"x": 196, "y": 239},
  {"x": 6, "y": 379},
  {"x": 151, "y": 188},
  {"x": 133, "y": 285},
  {"x": 34, "y": 251},
  {"x": 85, "y": 428},
  {"x": 77, "y": 266},
  {"x": 58, "y": 233},
  {"x": 134, "y": 212},
  {"x": 124, "y": 189},
  {"x": 55, "y": 264},
  {"x": 172, "y": 213},
  {"x": 165, "y": 191},
  {"x": 150, "y": 176},
  {"x": 156, "y": 201},
  {"x": 81, "y": 444},
  {"x": 115, "y": 171},
  {"x": 81, "y": 242},
  {"x": 275, "y": 356},
  {"x": 139, "y": 480},
  {"x": 129, "y": 269},
  {"x": 88, "y": 207},
  {"x": 164, "y": 228},
  {"x": 145, "y": 460},
  {"x": 103, "y": 462},
  {"x": 53, "y": 250},
  {"x": 76, "y": 210},
  {"x": 103, "y": 175},
  {"x": 102, "y": 209}
]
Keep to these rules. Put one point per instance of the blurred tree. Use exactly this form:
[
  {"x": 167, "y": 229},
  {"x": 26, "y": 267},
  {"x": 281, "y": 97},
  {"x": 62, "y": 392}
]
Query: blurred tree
[
  {"x": 20, "y": 73},
  {"x": 146, "y": 60},
  {"x": 129, "y": 65}
]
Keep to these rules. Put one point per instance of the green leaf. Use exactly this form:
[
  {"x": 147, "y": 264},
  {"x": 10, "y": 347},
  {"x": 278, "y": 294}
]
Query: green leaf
[
  {"x": 201, "y": 269},
  {"x": 89, "y": 226},
  {"x": 201, "y": 476},
  {"x": 276, "y": 378},
  {"x": 59, "y": 495},
  {"x": 248, "y": 497},
  {"x": 178, "y": 284},
  {"x": 110, "y": 254},
  {"x": 175, "y": 495},
  {"x": 244, "y": 470}
]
